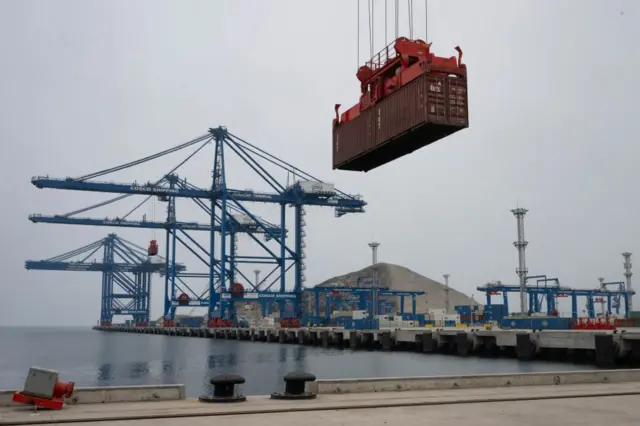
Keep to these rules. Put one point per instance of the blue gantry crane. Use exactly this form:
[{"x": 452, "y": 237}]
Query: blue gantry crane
[
  {"x": 126, "y": 275},
  {"x": 229, "y": 214},
  {"x": 369, "y": 300},
  {"x": 543, "y": 291}
]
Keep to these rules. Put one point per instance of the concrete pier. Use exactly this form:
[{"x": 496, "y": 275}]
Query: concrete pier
[
  {"x": 606, "y": 349},
  {"x": 586, "y": 398}
]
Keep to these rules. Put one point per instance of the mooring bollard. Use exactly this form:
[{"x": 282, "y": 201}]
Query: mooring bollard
[
  {"x": 294, "y": 387},
  {"x": 224, "y": 389}
]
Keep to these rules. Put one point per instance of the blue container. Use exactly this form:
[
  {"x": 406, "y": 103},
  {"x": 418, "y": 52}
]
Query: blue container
[
  {"x": 551, "y": 323},
  {"x": 494, "y": 312},
  {"x": 516, "y": 323},
  {"x": 191, "y": 322},
  {"x": 537, "y": 323},
  {"x": 463, "y": 310},
  {"x": 451, "y": 323}
]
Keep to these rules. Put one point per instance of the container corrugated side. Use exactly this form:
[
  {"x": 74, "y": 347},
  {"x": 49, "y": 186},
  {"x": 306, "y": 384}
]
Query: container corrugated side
[{"x": 437, "y": 100}]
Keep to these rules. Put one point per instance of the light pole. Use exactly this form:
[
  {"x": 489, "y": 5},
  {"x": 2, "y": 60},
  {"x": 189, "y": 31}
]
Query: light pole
[{"x": 446, "y": 293}]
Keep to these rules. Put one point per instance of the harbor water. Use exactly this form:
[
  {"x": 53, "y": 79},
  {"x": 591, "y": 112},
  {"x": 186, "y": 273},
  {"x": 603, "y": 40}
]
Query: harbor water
[{"x": 92, "y": 358}]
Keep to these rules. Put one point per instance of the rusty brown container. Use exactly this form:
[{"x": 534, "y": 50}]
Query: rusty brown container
[{"x": 431, "y": 107}]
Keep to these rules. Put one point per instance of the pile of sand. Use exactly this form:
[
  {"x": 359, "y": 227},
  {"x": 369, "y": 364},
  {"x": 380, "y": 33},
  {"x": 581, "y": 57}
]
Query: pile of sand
[{"x": 397, "y": 277}]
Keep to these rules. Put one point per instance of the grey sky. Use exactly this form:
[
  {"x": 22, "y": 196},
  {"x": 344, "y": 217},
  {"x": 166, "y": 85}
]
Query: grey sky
[{"x": 552, "y": 87}]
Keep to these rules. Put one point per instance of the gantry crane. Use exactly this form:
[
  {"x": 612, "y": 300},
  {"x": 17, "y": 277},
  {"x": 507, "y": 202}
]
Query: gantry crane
[
  {"x": 126, "y": 275},
  {"x": 220, "y": 202},
  {"x": 552, "y": 292}
]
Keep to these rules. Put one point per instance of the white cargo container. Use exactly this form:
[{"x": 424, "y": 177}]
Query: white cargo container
[
  {"x": 361, "y": 314},
  {"x": 452, "y": 317},
  {"x": 243, "y": 219},
  {"x": 313, "y": 187}
]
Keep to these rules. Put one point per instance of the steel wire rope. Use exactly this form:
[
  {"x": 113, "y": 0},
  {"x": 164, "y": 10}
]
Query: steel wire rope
[
  {"x": 182, "y": 163},
  {"x": 386, "y": 39},
  {"x": 142, "y": 160},
  {"x": 397, "y": 23},
  {"x": 358, "y": 38},
  {"x": 281, "y": 163},
  {"x": 426, "y": 22},
  {"x": 410, "y": 13},
  {"x": 370, "y": 10},
  {"x": 122, "y": 197}
]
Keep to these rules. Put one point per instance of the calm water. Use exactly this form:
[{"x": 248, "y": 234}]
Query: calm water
[{"x": 91, "y": 358}]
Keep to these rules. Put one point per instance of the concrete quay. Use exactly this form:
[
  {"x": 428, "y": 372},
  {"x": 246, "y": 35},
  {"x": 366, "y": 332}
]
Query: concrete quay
[
  {"x": 586, "y": 398},
  {"x": 606, "y": 349}
]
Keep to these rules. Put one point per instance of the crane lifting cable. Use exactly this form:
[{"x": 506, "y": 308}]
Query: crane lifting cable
[{"x": 426, "y": 100}]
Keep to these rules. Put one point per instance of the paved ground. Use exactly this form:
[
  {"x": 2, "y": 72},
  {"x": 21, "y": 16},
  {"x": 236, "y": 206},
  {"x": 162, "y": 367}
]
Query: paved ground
[
  {"x": 618, "y": 411},
  {"x": 584, "y": 405}
]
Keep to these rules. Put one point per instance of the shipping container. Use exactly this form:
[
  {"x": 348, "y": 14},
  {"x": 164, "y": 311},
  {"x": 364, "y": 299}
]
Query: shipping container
[
  {"x": 427, "y": 109},
  {"x": 494, "y": 312},
  {"x": 314, "y": 187},
  {"x": 536, "y": 323}
]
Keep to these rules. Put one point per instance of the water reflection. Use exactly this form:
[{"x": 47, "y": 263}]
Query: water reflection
[
  {"x": 114, "y": 359},
  {"x": 217, "y": 361},
  {"x": 105, "y": 374},
  {"x": 106, "y": 355},
  {"x": 171, "y": 360},
  {"x": 138, "y": 370}
]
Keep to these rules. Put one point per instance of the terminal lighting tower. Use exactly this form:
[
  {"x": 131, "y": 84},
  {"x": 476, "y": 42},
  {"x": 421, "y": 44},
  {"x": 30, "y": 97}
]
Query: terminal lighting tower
[
  {"x": 602, "y": 288},
  {"x": 521, "y": 245},
  {"x": 627, "y": 275},
  {"x": 374, "y": 262},
  {"x": 374, "y": 252},
  {"x": 446, "y": 293}
]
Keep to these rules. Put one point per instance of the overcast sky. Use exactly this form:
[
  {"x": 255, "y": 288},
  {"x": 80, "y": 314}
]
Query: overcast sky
[{"x": 86, "y": 85}]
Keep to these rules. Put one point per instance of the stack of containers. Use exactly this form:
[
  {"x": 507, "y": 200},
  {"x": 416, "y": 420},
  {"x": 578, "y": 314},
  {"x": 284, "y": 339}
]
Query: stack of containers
[
  {"x": 451, "y": 320},
  {"x": 465, "y": 313},
  {"x": 437, "y": 316},
  {"x": 361, "y": 324},
  {"x": 494, "y": 313}
]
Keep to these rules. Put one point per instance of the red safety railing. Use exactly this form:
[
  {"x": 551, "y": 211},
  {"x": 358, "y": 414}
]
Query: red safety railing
[{"x": 382, "y": 57}]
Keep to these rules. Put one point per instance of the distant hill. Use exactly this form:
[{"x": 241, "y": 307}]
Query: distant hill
[{"x": 398, "y": 277}]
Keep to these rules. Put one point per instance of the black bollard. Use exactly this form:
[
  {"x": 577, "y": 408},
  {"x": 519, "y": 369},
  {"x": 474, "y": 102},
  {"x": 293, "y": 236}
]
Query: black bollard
[
  {"x": 224, "y": 389},
  {"x": 294, "y": 387}
]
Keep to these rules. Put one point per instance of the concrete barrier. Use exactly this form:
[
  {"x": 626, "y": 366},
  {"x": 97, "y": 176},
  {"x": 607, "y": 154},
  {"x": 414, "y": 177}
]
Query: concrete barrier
[
  {"x": 108, "y": 394},
  {"x": 395, "y": 384}
]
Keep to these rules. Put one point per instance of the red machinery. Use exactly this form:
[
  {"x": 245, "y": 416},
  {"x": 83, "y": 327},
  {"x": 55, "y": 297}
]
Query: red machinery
[
  {"x": 42, "y": 389},
  {"x": 169, "y": 323},
  {"x": 593, "y": 324},
  {"x": 183, "y": 299},
  {"x": 105, "y": 323},
  {"x": 290, "y": 323},
  {"x": 153, "y": 248},
  {"x": 395, "y": 66},
  {"x": 219, "y": 323},
  {"x": 237, "y": 290}
]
